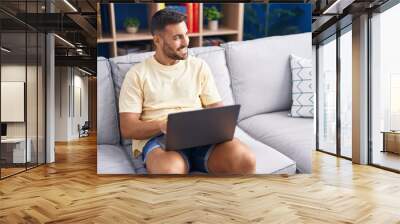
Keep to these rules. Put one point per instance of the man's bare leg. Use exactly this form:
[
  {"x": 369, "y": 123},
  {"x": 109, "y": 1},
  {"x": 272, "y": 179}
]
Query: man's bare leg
[
  {"x": 160, "y": 161},
  {"x": 232, "y": 157}
]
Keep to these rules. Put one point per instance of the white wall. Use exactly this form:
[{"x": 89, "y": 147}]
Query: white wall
[
  {"x": 70, "y": 83},
  {"x": 81, "y": 81},
  {"x": 62, "y": 81},
  {"x": 14, "y": 73},
  {"x": 11, "y": 73},
  {"x": 34, "y": 125}
]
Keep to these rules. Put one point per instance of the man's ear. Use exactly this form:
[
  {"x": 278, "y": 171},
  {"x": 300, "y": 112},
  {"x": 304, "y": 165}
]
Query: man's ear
[{"x": 157, "y": 39}]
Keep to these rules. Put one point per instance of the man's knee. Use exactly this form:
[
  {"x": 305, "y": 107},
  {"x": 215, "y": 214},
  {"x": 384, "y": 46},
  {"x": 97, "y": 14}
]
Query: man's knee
[
  {"x": 243, "y": 159},
  {"x": 172, "y": 168},
  {"x": 233, "y": 157},
  {"x": 248, "y": 162},
  {"x": 165, "y": 162}
]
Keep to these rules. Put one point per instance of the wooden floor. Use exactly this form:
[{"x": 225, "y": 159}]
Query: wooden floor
[
  {"x": 70, "y": 191},
  {"x": 10, "y": 171}
]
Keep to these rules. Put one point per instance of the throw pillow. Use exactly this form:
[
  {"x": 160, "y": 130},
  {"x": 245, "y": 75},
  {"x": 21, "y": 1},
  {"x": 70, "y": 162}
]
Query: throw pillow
[{"x": 302, "y": 91}]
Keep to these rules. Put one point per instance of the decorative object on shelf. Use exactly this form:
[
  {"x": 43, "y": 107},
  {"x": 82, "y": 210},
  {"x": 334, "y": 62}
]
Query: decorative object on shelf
[
  {"x": 213, "y": 41},
  {"x": 132, "y": 47},
  {"x": 131, "y": 24},
  {"x": 213, "y": 15}
]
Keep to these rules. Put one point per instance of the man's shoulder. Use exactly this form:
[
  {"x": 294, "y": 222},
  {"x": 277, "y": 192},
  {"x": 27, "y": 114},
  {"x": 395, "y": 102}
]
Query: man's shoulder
[
  {"x": 143, "y": 64},
  {"x": 139, "y": 68},
  {"x": 195, "y": 61}
]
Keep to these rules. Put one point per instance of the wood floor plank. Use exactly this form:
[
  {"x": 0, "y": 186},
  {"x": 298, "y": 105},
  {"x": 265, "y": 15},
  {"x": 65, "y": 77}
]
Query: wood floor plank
[{"x": 70, "y": 191}]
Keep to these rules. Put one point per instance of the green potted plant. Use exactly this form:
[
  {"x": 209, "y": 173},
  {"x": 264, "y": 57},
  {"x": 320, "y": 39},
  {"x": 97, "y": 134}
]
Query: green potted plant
[
  {"x": 131, "y": 24},
  {"x": 212, "y": 15}
]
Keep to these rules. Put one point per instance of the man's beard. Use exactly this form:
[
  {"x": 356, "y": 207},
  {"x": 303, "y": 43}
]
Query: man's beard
[{"x": 169, "y": 52}]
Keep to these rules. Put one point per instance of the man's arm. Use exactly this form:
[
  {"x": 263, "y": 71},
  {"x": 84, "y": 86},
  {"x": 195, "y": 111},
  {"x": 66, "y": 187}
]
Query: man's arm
[
  {"x": 133, "y": 128},
  {"x": 217, "y": 104}
]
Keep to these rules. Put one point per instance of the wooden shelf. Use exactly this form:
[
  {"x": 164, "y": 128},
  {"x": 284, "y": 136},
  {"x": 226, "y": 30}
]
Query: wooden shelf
[
  {"x": 231, "y": 26},
  {"x": 105, "y": 38},
  {"x": 140, "y": 35},
  {"x": 220, "y": 31},
  {"x": 194, "y": 34}
]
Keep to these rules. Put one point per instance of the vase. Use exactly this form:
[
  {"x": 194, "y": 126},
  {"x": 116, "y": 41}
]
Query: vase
[
  {"x": 213, "y": 25},
  {"x": 132, "y": 29}
]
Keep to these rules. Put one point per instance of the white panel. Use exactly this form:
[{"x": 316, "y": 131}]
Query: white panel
[{"x": 12, "y": 101}]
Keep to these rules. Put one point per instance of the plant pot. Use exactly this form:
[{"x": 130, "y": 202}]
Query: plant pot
[
  {"x": 132, "y": 29},
  {"x": 213, "y": 25}
]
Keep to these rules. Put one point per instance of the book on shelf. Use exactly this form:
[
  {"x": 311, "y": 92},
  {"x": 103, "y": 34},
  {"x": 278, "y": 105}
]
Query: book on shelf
[
  {"x": 189, "y": 15},
  {"x": 193, "y": 17},
  {"x": 196, "y": 17},
  {"x": 161, "y": 6}
]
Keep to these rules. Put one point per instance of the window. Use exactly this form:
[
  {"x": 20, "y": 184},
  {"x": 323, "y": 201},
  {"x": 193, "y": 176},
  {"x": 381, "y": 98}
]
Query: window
[
  {"x": 327, "y": 96},
  {"x": 385, "y": 89},
  {"x": 394, "y": 102},
  {"x": 335, "y": 94},
  {"x": 346, "y": 92}
]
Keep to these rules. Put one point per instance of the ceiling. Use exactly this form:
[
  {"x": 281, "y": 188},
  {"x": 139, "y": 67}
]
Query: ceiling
[
  {"x": 72, "y": 20},
  {"x": 328, "y": 16}
]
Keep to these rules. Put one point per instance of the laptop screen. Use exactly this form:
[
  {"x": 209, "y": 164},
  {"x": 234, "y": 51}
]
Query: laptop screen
[{"x": 3, "y": 129}]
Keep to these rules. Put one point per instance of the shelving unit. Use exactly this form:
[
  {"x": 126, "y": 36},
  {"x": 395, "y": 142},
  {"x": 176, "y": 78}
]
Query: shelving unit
[{"x": 230, "y": 26}]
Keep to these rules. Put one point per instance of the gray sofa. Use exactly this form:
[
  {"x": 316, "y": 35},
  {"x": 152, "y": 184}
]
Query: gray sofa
[{"x": 255, "y": 74}]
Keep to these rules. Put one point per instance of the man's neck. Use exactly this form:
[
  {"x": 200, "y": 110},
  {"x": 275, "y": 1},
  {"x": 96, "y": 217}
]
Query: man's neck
[{"x": 164, "y": 60}]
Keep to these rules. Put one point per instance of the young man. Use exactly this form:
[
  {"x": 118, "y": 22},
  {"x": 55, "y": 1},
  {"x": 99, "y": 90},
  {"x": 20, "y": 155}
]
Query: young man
[{"x": 172, "y": 81}]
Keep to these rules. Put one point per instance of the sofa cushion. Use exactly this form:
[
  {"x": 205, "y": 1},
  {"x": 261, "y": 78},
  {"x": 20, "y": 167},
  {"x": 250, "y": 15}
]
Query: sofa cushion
[
  {"x": 107, "y": 119},
  {"x": 260, "y": 71},
  {"x": 302, "y": 89},
  {"x": 268, "y": 160},
  {"x": 293, "y": 137},
  {"x": 215, "y": 58},
  {"x": 200, "y": 50},
  {"x": 113, "y": 159}
]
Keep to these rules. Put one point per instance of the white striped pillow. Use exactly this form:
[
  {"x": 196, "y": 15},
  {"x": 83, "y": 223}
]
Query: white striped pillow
[{"x": 302, "y": 91}]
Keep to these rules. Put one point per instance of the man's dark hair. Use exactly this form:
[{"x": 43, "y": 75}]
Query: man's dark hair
[{"x": 165, "y": 17}]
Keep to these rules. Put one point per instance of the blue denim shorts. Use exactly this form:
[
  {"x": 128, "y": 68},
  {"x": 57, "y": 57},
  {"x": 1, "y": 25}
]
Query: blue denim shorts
[{"x": 196, "y": 158}]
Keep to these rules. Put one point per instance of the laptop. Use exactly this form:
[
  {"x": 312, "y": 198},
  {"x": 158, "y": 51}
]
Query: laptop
[{"x": 200, "y": 127}]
